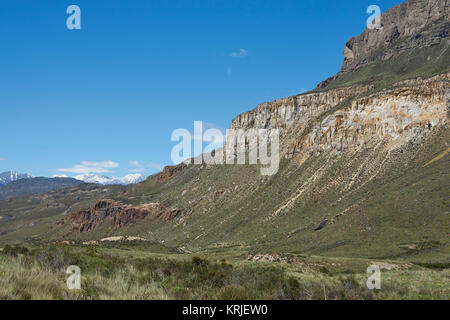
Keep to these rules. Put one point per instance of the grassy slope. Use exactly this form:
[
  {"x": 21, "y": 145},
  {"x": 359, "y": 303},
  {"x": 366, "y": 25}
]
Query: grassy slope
[
  {"x": 424, "y": 62},
  {"x": 393, "y": 207},
  {"x": 123, "y": 273},
  {"x": 32, "y": 216}
]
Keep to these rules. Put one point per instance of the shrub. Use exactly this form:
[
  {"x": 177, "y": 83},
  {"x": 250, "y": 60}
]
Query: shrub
[
  {"x": 292, "y": 290},
  {"x": 199, "y": 262},
  {"x": 233, "y": 292},
  {"x": 88, "y": 290},
  {"x": 14, "y": 251}
]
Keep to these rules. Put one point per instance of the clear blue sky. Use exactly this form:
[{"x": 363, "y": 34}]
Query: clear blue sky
[{"x": 116, "y": 89}]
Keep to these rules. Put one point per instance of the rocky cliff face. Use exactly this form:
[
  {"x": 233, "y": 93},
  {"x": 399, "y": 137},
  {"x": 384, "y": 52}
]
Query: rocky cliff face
[
  {"x": 399, "y": 115},
  {"x": 286, "y": 112},
  {"x": 169, "y": 171},
  {"x": 341, "y": 119},
  {"x": 361, "y": 115},
  {"x": 117, "y": 214},
  {"x": 413, "y": 24}
]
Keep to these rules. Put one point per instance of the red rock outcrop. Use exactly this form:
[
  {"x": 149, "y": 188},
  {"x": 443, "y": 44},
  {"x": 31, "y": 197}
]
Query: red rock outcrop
[
  {"x": 118, "y": 215},
  {"x": 169, "y": 171}
]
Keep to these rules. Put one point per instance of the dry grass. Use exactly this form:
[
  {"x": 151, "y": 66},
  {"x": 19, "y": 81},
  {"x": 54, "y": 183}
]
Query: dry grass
[{"x": 41, "y": 275}]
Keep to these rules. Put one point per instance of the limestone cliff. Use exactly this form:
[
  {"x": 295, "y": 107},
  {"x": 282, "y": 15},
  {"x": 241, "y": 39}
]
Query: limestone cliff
[
  {"x": 399, "y": 115},
  {"x": 286, "y": 112},
  {"x": 360, "y": 115},
  {"x": 354, "y": 117}
]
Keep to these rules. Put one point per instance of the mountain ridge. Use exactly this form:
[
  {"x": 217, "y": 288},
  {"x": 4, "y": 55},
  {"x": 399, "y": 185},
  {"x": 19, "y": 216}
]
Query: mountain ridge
[
  {"x": 35, "y": 185},
  {"x": 104, "y": 180},
  {"x": 9, "y": 176},
  {"x": 414, "y": 25}
]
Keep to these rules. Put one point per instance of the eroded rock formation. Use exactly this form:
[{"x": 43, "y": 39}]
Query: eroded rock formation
[
  {"x": 407, "y": 22},
  {"x": 169, "y": 171},
  {"x": 116, "y": 214},
  {"x": 411, "y": 25},
  {"x": 340, "y": 119}
]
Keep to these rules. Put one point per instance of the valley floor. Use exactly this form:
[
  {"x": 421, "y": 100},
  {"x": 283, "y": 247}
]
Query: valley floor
[{"x": 131, "y": 271}]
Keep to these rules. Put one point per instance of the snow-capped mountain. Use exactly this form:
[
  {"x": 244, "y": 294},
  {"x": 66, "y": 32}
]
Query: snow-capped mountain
[
  {"x": 104, "y": 180},
  {"x": 9, "y": 176},
  {"x": 133, "y": 178}
]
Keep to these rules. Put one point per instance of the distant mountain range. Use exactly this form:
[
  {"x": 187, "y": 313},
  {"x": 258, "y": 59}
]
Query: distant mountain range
[
  {"x": 10, "y": 176},
  {"x": 27, "y": 186},
  {"x": 16, "y": 184},
  {"x": 104, "y": 180}
]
